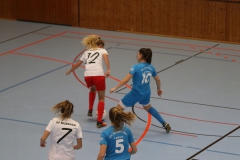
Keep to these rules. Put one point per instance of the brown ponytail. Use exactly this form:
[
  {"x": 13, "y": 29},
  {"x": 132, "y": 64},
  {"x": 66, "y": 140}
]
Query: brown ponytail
[
  {"x": 146, "y": 54},
  {"x": 119, "y": 117}
]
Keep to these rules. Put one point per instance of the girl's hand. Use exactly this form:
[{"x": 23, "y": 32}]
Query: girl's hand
[
  {"x": 107, "y": 73},
  {"x": 43, "y": 144},
  {"x": 67, "y": 73},
  {"x": 112, "y": 90},
  {"x": 159, "y": 92}
]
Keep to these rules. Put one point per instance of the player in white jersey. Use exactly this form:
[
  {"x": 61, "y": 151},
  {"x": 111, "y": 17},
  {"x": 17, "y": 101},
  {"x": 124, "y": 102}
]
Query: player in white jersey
[
  {"x": 64, "y": 131},
  {"x": 94, "y": 75},
  {"x": 115, "y": 140}
]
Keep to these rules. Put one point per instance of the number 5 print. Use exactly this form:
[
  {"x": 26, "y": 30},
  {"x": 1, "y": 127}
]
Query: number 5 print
[{"x": 119, "y": 145}]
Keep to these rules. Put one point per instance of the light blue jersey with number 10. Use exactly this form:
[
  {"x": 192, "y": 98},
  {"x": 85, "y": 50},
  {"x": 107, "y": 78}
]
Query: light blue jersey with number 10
[{"x": 142, "y": 72}]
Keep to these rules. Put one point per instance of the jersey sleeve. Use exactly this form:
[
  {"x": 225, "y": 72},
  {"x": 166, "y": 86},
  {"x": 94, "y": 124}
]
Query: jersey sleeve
[
  {"x": 103, "y": 139},
  {"x": 83, "y": 57},
  {"x": 104, "y": 51},
  {"x": 132, "y": 70},
  {"x": 79, "y": 132},
  {"x": 154, "y": 72},
  {"x": 130, "y": 135},
  {"x": 50, "y": 126}
]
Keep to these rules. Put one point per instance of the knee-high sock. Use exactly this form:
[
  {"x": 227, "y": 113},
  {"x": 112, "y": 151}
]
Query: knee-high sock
[
  {"x": 92, "y": 96},
  {"x": 156, "y": 115},
  {"x": 100, "y": 111}
]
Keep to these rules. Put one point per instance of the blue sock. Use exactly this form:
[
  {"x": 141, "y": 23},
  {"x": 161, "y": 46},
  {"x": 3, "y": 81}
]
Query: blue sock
[{"x": 156, "y": 115}]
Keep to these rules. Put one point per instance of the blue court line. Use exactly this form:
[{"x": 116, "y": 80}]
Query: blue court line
[
  {"x": 176, "y": 145},
  {"x": 39, "y": 75},
  {"x": 173, "y": 54},
  {"x": 33, "y": 78}
]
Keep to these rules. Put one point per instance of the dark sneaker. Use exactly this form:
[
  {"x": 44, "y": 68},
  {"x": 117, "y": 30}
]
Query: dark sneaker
[
  {"x": 89, "y": 113},
  {"x": 167, "y": 127},
  {"x": 101, "y": 124}
]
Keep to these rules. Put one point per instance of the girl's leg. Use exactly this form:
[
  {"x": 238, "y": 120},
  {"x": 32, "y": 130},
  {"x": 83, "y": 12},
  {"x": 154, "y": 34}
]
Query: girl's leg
[
  {"x": 156, "y": 115},
  {"x": 101, "y": 96},
  {"x": 92, "y": 95}
]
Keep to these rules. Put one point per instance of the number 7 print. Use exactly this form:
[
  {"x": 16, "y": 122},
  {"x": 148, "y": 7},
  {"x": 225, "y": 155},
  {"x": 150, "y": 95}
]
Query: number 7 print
[{"x": 69, "y": 131}]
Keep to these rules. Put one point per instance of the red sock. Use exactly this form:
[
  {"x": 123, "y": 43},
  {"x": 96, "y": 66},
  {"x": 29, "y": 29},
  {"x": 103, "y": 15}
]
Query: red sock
[
  {"x": 92, "y": 96},
  {"x": 100, "y": 111}
]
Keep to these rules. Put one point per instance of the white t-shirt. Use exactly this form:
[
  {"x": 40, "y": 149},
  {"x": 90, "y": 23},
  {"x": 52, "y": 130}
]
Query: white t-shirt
[
  {"x": 93, "y": 62},
  {"x": 63, "y": 134}
]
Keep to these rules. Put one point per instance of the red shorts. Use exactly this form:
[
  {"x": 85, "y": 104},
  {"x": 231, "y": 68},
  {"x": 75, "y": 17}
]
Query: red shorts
[{"x": 97, "y": 81}]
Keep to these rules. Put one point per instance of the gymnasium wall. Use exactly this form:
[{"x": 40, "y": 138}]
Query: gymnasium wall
[
  {"x": 203, "y": 19},
  {"x": 48, "y": 11}
]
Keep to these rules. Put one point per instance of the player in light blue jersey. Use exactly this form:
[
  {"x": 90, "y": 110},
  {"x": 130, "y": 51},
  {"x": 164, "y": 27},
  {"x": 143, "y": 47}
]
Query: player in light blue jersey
[
  {"x": 141, "y": 74},
  {"x": 115, "y": 140}
]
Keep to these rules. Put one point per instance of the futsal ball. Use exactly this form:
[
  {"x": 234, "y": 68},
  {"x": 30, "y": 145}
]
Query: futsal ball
[{"x": 104, "y": 114}]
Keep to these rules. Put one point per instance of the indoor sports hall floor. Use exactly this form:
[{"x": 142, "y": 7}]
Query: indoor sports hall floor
[{"x": 200, "y": 83}]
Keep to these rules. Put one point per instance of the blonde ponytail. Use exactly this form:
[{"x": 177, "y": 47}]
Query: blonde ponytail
[
  {"x": 119, "y": 117},
  {"x": 92, "y": 42},
  {"x": 64, "y": 109}
]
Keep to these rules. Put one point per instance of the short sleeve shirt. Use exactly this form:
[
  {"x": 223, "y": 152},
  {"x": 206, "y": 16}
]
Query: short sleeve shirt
[
  {"x": 117, "y": 143},
  {"x": 93, "y": 60},
  {"x": 142, "y": 72},
  {"x": 63, "y": 135}
]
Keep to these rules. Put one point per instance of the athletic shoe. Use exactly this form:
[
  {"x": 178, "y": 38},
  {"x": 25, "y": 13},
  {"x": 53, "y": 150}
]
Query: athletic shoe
[
  {"x": 89, "y": 113},
  {"x": 101, "y": 124},
  {"x": 167, "y": 127}
]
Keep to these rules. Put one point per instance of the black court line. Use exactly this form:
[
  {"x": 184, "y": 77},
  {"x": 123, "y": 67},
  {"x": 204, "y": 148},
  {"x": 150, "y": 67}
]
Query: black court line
[
  {"x": 183, "y": 60},
  {"x": 24, "y": 34},
  {"x": 213, "y": 143},
  {"x": 209, "y": 105},
  {"x": 199, "y": 134},
  {"x": 202, "y": 104}
]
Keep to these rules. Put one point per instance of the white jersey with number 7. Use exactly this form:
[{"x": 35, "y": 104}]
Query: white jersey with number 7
[{"x": 63, "y": 135}]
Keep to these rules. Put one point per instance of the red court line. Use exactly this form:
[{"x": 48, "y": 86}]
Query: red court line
[
  {"x": 128, "y": 86},
  {"x": 52, "y": 59},
  {"x": 55, "y": 35},
  {"x": 143, "y": 40},
  {"x": 149, "y": 116},
  {"x": 146, "y": 129},
  {"x": 234, "y": 55},
  {"x": 194, "y": 119},
  {"x": 154, "y": 41},
  {"x": 41, "y": 57},
  {"x": 192, "y": 50},
  {"x": 184, "y": 134}
]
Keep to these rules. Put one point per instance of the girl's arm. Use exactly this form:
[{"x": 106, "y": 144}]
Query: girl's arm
[
  {"x": 102, "y": 152},
  {"x": 74, "y": 67},
  {"x": 123, "y": 82},
  {"x": 79, "y": 144},
  {"x": 158, "y": 83},
  {"x": 106, "y": 60},
  {"x": 134, "y": 148},
  {"x": 43, "y": 138}
]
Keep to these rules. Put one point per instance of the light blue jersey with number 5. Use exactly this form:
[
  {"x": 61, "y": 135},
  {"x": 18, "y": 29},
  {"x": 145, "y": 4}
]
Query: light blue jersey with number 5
[
  {"x": 117, "y": 143},
  {"x": 142, "y": 72}
]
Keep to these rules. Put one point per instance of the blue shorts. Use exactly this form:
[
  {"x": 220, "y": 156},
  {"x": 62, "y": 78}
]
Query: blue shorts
[{"x": 133, "y": 97}]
